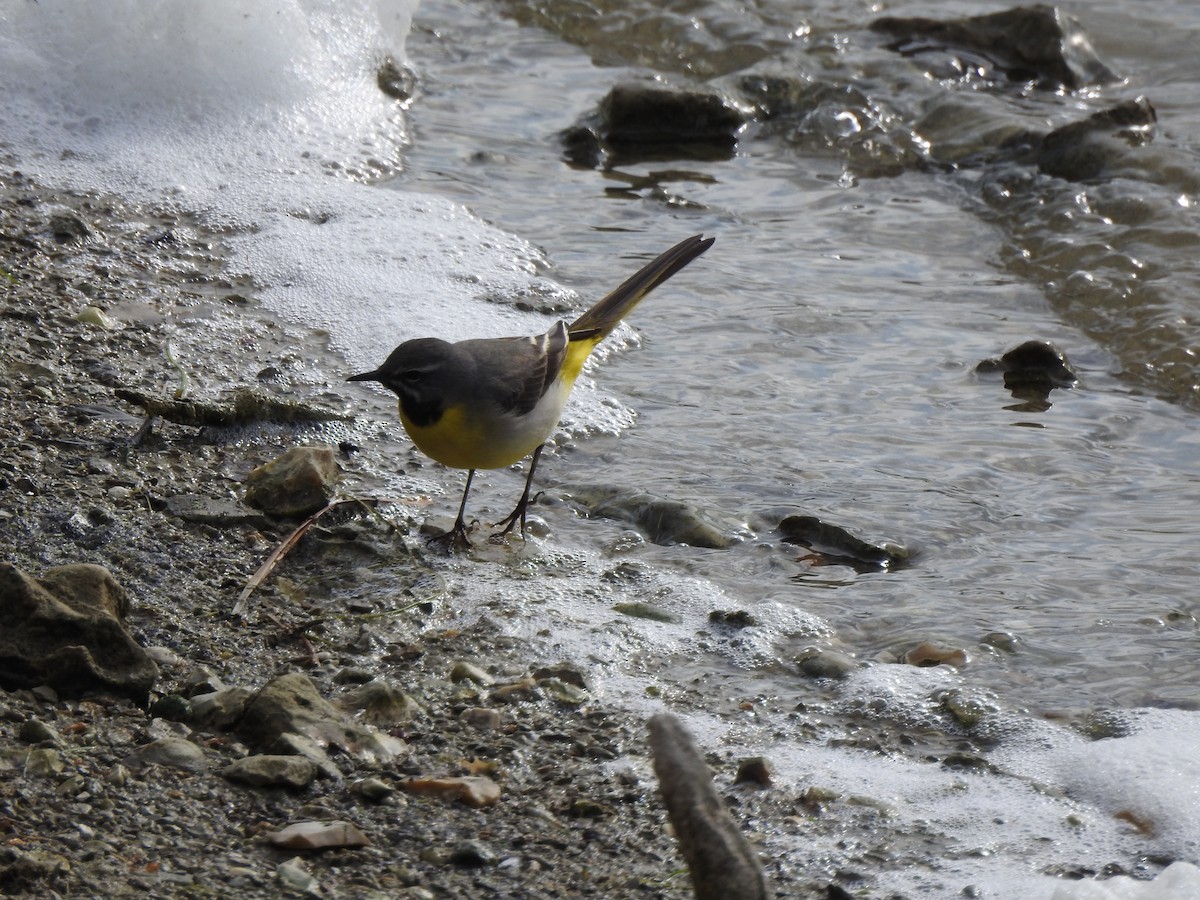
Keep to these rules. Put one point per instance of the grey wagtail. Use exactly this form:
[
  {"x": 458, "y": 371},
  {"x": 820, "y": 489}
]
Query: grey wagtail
[{"x": 488, "y": 403}]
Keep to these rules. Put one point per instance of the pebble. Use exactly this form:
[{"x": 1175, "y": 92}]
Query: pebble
[
  {"x": 172, "y": 752},
  {"x": 35, "y": 731},
  {"x": 465, "y": 671},
  {"x": 266, "y": 770}
]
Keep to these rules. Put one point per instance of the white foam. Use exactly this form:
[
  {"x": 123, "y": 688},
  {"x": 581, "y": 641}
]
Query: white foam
[{"x": 268, "y": 119}]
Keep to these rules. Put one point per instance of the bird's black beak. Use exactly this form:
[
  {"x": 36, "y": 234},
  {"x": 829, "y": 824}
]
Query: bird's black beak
[{"x": 365, "y": 376}]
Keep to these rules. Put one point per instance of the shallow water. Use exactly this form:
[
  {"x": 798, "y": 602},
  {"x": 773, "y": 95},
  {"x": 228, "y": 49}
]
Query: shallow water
[{"x": 821, "y": 357}]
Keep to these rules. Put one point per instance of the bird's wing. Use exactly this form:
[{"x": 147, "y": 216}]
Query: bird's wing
[{"x": 519, "y": 370}]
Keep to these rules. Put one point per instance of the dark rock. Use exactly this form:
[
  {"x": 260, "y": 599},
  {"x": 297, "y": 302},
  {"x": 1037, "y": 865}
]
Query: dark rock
[
  {"x": 836, "y": 546},
  {"x": 721, "y": 861},
  {"x": 1031, "y": 371},
  {"x": 296, "y": 484},
  {"x": 1026, "y": 43},
  {"x": 638, "y": 122},
  {"x": 663, "y": 521},
  {"x": 754, "y": 770},
  {"x": 66, "y": 630},
  {"x": 1096, "y": 146}
]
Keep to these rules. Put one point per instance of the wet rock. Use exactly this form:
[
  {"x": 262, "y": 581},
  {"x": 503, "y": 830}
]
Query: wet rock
[
  {"x": 372, "y": 789},
  {"x": 825, "y": 662},
  {"x": 292, "y": 772},
  {"x": 171, "y": 752},
  {"x": 473, "y": 854},
  {"x": 292, "y": 876},
  {"x": 246, "y": 408},
  {"x": 930, "y": 654},
  {"x": 754, "y": 770},
  {"x": 969, "y": 708},
  {"x": 66, "y": 630},
  {"x": 662, "y": 521},
  {"x": 563, "y": 692},
  {"x": 1097, "y": 146},
  {"x": 296, "y": 484},
  {"x": 471, "y": 790},
  {"x": 217, "y": 511},
  {"x": 722, "y": 864},
  {"x": 318, "y": 836},
  {"x": 30, "y": 872},
  {"x": 834, "y": 545},
  {"x": 465, "y": 671},
  {"x": 1031, "y": 371},
  {"x": 482, "y": 718},
  {"x": 732, "y": 618},
  {"x": 382, "y": 704},
  {"x": 172, "y": 707},
  {"x": 292, "y": 704},
  {"x": 44, "y": 762},
  {"x": 1026, "y": 43},
  {"x": 639, "y": 122},
  {"x": 524, "y": 690}
]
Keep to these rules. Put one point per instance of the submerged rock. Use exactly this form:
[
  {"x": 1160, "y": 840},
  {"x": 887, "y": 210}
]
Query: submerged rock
[
  {"x": 1026, "y": 43},
  {"x": 662, "y": 520},
  {"x": 67, "y": 630}
]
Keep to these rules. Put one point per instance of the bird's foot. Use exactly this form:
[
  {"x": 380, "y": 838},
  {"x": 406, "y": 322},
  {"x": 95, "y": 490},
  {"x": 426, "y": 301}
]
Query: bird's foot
[{"x": 453, "y": 540}]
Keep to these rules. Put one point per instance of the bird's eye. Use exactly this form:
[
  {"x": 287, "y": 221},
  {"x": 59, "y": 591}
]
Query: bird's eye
[{"x": 412, "y": 376}]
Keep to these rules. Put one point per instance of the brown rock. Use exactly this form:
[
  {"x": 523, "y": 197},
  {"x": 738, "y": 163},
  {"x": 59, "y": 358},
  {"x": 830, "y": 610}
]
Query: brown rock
[
  {"x": 296, "y": 484},
  {"x": 66, "y": 630}
]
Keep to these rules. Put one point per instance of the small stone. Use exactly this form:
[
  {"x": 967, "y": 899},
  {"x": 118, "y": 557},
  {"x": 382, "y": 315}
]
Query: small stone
[
  {"x": 294, "y": 772},
  {"x": 318, "y": 836},
  {"x": 465, "y": 671},
  {"x": 472, "y": 854},
  {"x": 566, "y": 694},
  {"x": 373, "y": 789},
  {"x": 825, "y": 662},
  {"x": 172, "y": 707},
  {"x": 172, "y": 752},
  {"x": 296, "y": 484},
  {"x": 382, "y": 704},
  {"x": 753, "y": 770},
  {"x": 97, "y": 318},
  {"x": 220, "y": 710},
  {"x": 293, "y": 876},
  {"x": 472, "y": 790},
  {"x": 482, "y": 718},
  {"x": 35, "y": 731},
  {"x": 43, "y": 763},
  {"x": 353, "y": 675},
  {"x": 521, "y": 691}
]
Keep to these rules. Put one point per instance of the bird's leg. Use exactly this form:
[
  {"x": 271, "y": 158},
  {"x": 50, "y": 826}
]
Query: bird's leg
[
  {"x": 518, "y": 514},
  {"x": 456, "y": 538}
]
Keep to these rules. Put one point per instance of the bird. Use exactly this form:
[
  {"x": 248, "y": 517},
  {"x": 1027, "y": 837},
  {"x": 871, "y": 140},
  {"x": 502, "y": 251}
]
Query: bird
[{"x": 487, "y": 403}]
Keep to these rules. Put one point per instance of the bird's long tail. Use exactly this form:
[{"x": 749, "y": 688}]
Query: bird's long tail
[{"x": 591, "y": 328}]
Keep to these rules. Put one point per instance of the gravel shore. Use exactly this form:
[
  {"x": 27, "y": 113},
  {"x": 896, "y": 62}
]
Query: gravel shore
[{"x": 98, "y": 796}]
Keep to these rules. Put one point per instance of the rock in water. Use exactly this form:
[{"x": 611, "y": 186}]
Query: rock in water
[
  {"x": 722, "y": 863},
  {"x": 67, "y": 630}
]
